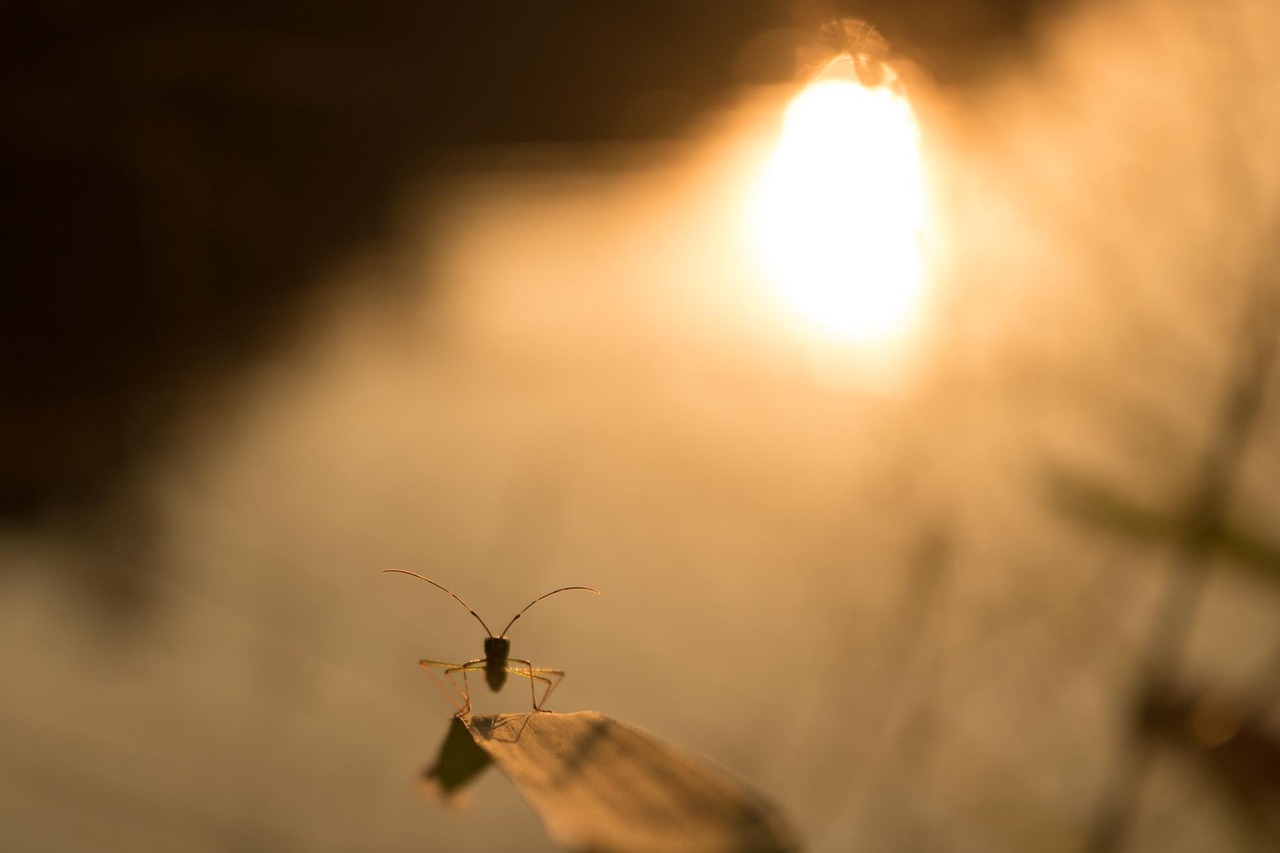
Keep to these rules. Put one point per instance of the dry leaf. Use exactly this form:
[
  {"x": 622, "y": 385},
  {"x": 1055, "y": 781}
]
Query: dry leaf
[{"x": 603, "y": 785}]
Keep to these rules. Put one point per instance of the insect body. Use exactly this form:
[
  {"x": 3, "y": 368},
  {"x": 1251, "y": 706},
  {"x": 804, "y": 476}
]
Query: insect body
[{"x": 497, "y": 661}]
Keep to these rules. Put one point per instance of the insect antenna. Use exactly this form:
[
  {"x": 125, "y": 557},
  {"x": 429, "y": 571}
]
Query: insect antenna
[
  {"x": 455, "y": 597},
  {"x": 539, "y": 598}
]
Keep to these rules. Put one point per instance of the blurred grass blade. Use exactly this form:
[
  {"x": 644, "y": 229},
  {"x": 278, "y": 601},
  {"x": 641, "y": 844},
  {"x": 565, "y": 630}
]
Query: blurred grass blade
[{"x": 602, "y": 785}]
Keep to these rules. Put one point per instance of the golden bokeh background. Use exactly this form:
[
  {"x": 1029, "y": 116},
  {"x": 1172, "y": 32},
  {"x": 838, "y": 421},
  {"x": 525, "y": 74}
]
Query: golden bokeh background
[{"x": 914, "y": 589}]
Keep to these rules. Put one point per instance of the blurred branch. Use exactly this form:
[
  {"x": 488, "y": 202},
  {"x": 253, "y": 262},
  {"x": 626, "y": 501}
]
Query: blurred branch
[
  {"x": 1097, "y": 504},
  {"x": 1195, "y": 540}
]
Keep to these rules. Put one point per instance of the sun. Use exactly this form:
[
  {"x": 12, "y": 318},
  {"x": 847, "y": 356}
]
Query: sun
[{"x": 838, "y": 216}]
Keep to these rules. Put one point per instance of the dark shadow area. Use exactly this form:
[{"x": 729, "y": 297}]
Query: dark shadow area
[
  {"x": 1226, "y": 738},
  {"x": 506, "y": 728},
  {"x": 458, "y": 763},
  {"x": 176, "y": 176}
]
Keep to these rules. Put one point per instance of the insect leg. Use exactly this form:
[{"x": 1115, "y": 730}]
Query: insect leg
[
  {"x": 466, "y": 688},
  {"x": 537, "y": 673},
  {"x": 463, "y": 693},
  {"x": 551, "y": 685},
  {"x": 451, "y": 692}
]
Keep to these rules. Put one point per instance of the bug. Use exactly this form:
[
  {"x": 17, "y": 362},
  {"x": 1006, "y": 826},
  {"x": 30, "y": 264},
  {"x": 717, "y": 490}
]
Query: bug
[
  {"x": 857, "y": 47},
  {"x": 497, "y": 661}
]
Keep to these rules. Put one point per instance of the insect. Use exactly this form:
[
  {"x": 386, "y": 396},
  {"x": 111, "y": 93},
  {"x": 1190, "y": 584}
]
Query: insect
[
  {"x": 853, "y": 47},
  {"x": 497, "y": 661}
]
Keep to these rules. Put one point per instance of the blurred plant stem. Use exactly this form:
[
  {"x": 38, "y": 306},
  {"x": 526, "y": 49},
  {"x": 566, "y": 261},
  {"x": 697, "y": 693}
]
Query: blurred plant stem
[{"x": 1203, "y": 519}]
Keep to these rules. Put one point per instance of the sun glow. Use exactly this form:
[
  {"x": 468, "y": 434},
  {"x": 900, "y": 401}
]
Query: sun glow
[{"x": 839, "y": 213}]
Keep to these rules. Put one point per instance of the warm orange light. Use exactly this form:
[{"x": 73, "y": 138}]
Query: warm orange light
[{"x": 840, "y": 211}]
